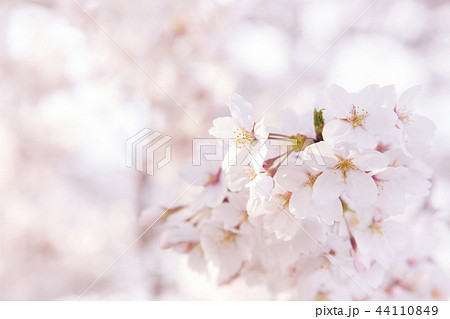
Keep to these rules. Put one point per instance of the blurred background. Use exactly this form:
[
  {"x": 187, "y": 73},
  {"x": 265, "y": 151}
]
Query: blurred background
[{"x": 70, "y": 97}]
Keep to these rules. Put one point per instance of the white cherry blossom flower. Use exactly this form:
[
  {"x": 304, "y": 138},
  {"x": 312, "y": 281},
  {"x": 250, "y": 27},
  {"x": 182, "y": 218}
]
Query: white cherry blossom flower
[
  {"x": 299, "y": 181},
  {"x": 182, "y": 235},
  {"x": 276, "y": 218},
  {"x": 226, "y": 249},
  {"x": 346, "y": 171},
  {"x": 417, "y": 181},
  {"x": 242, "y": 165},
  {"x": 358, "y": 117},
  {"x": 378, "y": 240},
  {"x": 391, "y": 192},
  {"x": 210, "y": 176},
  {"x": 241, "y": 126},
  {"x": 233, "y": 212},
  {"x": 417, "y": 130}
]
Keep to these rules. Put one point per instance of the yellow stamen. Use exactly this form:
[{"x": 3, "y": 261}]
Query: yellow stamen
[
  {"x": 376, "y": 227},
  {"x": 403, "y": 114},
  {"x": 357, "y": 116},
  {"x": 244, "y": 137},
  {"x": 344, "y": 165},
  {"x": 285, "y": 198},
  {"x": 250, "y": 172},
  {"x": 227, "y": 237},
  {"x": 311, "y": 180}
]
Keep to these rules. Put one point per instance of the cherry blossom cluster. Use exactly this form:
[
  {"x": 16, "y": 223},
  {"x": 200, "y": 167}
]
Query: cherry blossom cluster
[{"x": 322, "y": 207}]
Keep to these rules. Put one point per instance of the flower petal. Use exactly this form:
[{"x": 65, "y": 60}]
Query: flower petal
[
  {"x": 406, "y": 100},
  {"x": 361, "y": 188},
  {"x": 197, "y": 174},
  {"x": 370, "y": 98},
  {"x": 336, "y": 131},
  {"x": 319, "y": 156},
  {"x": 330, "y": 212},
  {"x": 362, "y": 138},
  {"x": 301, "y": 203},
  {"x": 390, "y": 97},
  {"x": 371, "y": 160},
  {"x": 223, "y": 127},
  {"x": 291, "y": 177},
  {"x": 211, "y": 196},
  {"x": 328, "y": 186},
  {"x": 381, "y": 121},
  {"x": 339, "y": 103},
  {"x": 241, "y": 111}
]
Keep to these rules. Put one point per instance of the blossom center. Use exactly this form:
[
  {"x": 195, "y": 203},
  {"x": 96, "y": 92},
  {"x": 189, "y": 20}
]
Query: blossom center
[
  {"x": 244, "y": 136},
  {"x": 403, "y": 114},
  {"x": 311, "y": 180},
  {"x": 250, "y": 172},
  {"x": 227, "y": 237},
  {"x": 213, "y": 178},
  {"x": 376, "y": 228},
  {"x": 379, "y": 182},
  {"x": 344, "y": 165},
  {"x": 357, "y": 116},
  {"x": 244, "y": 215},
  {"x": 285, "y": 198}
]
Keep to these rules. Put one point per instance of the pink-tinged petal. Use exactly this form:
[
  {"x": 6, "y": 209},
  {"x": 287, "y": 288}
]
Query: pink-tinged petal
[
  {"x": 370, "y": 98},
  {"x": 406, "y": 100},
  {"x": 197, "y": 174},
  {"x": 238, "y": 159},
  {"x": 236, "y": 182},
  {"x": 238, "y": 200},
  {"x": 361, "y": 188},
  {"x": 393, "y": 173},
  {"x": 339, "y": 103},
  {"x": 291, "y": 177},
  {"x": 336, "y": 131},
  {"x": 150, "y": 215},
  {"x": 420, "y": 133},
  {"x": 362, "y": 138},
  {"x": 330, "y": 212},
  {"x": 371, "y": 160},
  {"x": 390, "y": 97},
  {"x": 375, "y": 276},
  {"x": 211, "y": 196},
  {"x": 316, "y": 230},
  {"x": 328, "y": 186},
  {"x": 180, "y": 234},
  {"x": 381, "y": 121},
  {"x": 225, "y": 253},
  {"x": 228, "y": 215},
  {"x": 420, "y": 126},
  {"x": 281, "y": 224},
  {"x": 391, "y": 200},
  {"x": 241, "y": 111},
  {"x": 416, "y": 184},
  {"x": 360, "y": 261},
  {"x": 301, "y": 203},
  {"x": 319, "y": 156},
  {"x": 261, "y": 185},
  {"x": 260, "y": 131},
  {"x": 223, "y": 127}
]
